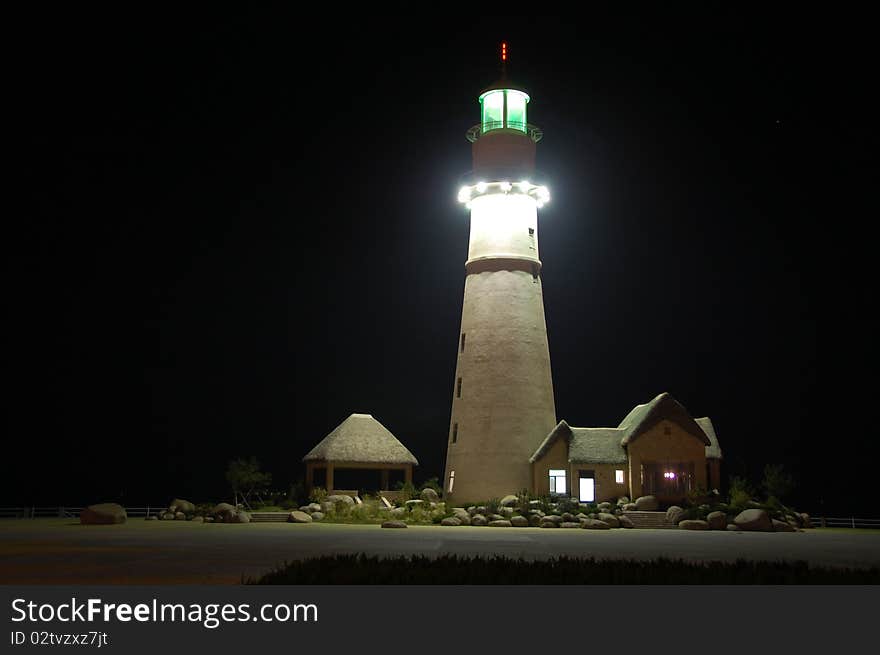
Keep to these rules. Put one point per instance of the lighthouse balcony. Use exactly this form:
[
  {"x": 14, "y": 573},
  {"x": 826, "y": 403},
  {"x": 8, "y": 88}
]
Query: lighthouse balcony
[{"x": 534, "y": 132}]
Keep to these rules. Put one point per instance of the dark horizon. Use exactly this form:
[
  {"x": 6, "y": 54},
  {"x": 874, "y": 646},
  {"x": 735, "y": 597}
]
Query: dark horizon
[{"x": 243, "y": 231}]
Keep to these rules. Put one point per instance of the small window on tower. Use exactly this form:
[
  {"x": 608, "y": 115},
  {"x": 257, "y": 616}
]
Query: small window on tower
[
  {"x": 458, "y": 389},
  {"x": 531, "y": 231},
  {"x": 534, "y": 274},
  {"x": 463, "y": 335},
  {"x": 618, "y": 476},
  {"x": 451, "y": 480},
  {"x": 455, "y": 432}
]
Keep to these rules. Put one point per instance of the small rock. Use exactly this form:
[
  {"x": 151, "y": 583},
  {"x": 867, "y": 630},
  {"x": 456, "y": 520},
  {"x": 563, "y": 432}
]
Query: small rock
[
  {"x": 103, "y": 514},
  {"x": 394, "y": 524},
  {"x": 733, "y": 527},
  {"x": 481, "y": 509},
  {"x": 568, "y": 517},
  {"x": 317, "y": 516},
  {"x": 167, "y": 516},
  {"x": 496, "y": 517},
  {"x": 519, "y": 522},
  {"x": 534, "y": 521},
  {"x": 180, "y": 505},
  {"x": 674, "y": 514},
  {"x": 297, "y": 516},
  {"x": 630, "y": 507},
  {"x": 500, "y": 523},
  {"x": 179, "y": 516},
  {"x": 509, "y": 500},
  {"x": 623, "y": 500},
  {"x": 625, "y": 522},
  {"x": 152, "y": 517},
  {"x": 717, "y": 520},
  {"x": 544, "y": 523},
  {"x": 604, "y": 507},
  {"x": 341, "y": 498},
  {"x": 209, "y": 519},
  {"x": 314, "y": 507},
  {"x": 414, "y": 503},
  {"x": 198, "y": 519},
  {"x": 506, "y": 512},
  {"x": 610, "y": 519},
  {"x": 594, "y": 524},
  {"x": 693, "y": 525},
  {"x": 308, "y": 509},
  {"x": 782, "y": 526},
  {"x": 754, "y": 520},
  {"x": 570, "y": 524},
  {"x": 479, "y": 519},
  {"x": 239, "y": 517},
  {"x": 450, "y": 520}
]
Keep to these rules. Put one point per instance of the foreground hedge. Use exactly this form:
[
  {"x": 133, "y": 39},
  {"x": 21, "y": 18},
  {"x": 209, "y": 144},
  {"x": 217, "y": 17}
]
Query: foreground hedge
[{"x": 451, "y": 569}]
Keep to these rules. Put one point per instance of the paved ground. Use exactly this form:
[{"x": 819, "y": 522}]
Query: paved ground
[{"x": 59, "y": 551}]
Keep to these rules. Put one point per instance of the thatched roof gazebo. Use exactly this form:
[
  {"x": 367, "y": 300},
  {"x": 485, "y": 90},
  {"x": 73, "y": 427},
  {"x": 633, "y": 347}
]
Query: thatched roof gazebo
[{"x": 359, "y": 442}]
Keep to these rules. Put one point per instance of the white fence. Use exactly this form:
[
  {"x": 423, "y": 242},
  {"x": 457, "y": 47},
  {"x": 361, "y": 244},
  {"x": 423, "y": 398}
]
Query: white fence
[
  {"x": 71, "y": 512},
  {"x": 843, "y": 522}
]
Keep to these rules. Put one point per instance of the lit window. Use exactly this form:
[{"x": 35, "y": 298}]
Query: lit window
[
  {"x": 516, "y": 110},
  {"x": 493, "y": 110},
  {"x": 618, "y": 476},
  {"x": 455, "y": 433},
  {"x": 458, "y": 389},
  {"x": 451, "y": 480},
  {"x": 557, "y": 481}
]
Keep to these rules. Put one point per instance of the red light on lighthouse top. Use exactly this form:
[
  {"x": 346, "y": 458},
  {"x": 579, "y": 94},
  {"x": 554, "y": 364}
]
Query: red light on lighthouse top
[{"x": 504, "y": 51}]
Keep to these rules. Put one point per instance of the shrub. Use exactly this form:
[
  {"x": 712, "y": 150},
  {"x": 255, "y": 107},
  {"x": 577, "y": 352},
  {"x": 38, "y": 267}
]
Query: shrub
[
  {"x": 493, "y": 505},
  {"x": 407, "y": 492},
  {"x": 740, "y": 494},
  {"x": 777, "y": 482},
  {"x": 318, "y": 495}
]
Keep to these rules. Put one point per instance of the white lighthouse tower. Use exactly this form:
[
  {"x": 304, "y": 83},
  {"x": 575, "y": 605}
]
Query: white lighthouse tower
[{"x": 502, "y": 405}]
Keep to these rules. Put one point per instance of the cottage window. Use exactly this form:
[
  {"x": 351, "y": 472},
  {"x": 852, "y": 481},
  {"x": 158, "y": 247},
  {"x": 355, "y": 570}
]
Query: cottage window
[
  {"x": 557, "y": 481},
  {"x": 618, "y": 476}
]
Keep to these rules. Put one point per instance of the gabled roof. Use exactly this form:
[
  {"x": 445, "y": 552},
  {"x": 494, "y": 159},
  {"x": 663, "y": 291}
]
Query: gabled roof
[
  {"x": 713, "y": 450},
  {"x": 664, "y": 406},
  {"x": 585, "y": 445},
  {"x": 361, "y": 438}
]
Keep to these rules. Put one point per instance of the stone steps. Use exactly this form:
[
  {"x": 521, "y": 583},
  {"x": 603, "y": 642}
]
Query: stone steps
[
  {"x": 651, "y": 520},
  {"x": 269, "y": 517}
]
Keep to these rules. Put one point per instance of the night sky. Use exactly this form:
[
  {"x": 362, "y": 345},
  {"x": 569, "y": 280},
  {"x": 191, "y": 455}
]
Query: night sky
[{"x": 238, "y": 230}]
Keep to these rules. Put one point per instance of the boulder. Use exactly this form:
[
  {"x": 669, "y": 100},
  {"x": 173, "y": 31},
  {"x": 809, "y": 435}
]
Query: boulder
[
  {"x": 167, "y": 516},
  {"x": 610, "y": 519},
  {"x": 317, "y": 516},
  {"x": 479, "y": 519},
  {"x": 674, "y": 515},
  {"x": 341, "y": 498},
  {"x": 782, "y": 526},
  {"x": 754, "y": 520},
  {"x": 717, "y": 520},
  {"x": 460, "y": 513},
  {"x": 693, "y": 525},
  {"x": 394, "y": 524},
  {"x": 568, "y": 517},
  {"x": 314, "y": 507},
  {"x": 519, "y": 521},
  {"x": 534, "y": 521},
  {"x": 500, "y": 523},
  {"x": 570, "y": 524},
  {"x": 805, "y": 520},
  {"x": 223, "y": 510},
  {"x": 506, "y": 512},
  {"x": 152, "y": 517},
  {"x": 545, "y": 523},
  {"x": 239, "y": 517},
  {"x": 647, "y": 504},
  {"x": 465, "y": 520},
  {"x": 481, "y": 509},
  {"x": 732, "y": 527},
  {"x": 623, "y": 500},
  {"x": 308, "y": 509},
  {"x": 604, "y": 507},
  {"x": 594, "y": 524},
  {"x": 496, "y": 517},
  {"x": 179, "y": 516},
  {"x": 450, "y": 520},
  {"x": 429, "y": 495},
  {"x": 630, "y": 507},
  {"x": 555, "y": 518},
  {"x": 398, "y": 512},
  {"x": 209, "y": 519},
  {"x": 180, "y": 505},
  {"x": 198, "y": 519},
  {"x": 297, "y": 516},
  {"x": 625, "y": 522},
  {"x": 103, "y": 514},
  {"x": 414, "y": 502},
  {"x": 535, "y": 504},
  {"x": 472, "y": 510},
  {"x": 509, "y": 500}
]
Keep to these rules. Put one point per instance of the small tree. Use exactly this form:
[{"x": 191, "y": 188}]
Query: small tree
[
  {"x": 778, "y": 483},
  {"x": 245, "y": 477}
]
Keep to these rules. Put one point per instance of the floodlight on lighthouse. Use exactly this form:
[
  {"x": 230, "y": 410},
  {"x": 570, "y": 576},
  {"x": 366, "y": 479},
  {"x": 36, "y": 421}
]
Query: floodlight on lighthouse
[
  {"x": 481, "y": 187},
  {"x": 506, "y": 186},
  {"x": 524, "y": 186},
  {"x": 464, "y": 194}
]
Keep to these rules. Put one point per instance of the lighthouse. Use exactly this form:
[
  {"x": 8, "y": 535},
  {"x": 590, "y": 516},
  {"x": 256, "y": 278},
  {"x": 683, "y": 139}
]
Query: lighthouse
[{"x": 502, "y": 404}]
